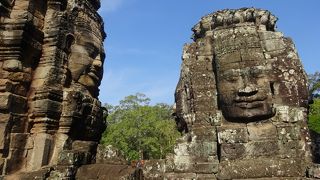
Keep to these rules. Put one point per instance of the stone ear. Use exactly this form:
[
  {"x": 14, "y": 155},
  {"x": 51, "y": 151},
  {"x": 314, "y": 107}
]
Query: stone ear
[{"x": 68, "y": 41}]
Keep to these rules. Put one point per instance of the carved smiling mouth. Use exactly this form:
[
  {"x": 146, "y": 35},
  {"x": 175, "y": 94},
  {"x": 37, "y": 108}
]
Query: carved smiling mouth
[
  {"x": 249, "y": 103},
  {"x": 93, "y": 76}
]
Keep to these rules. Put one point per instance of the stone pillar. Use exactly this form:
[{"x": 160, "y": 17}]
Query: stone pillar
[
  {"x": 40, "y": 152},
  {"x": 20, "y": 47},
  {"x": 48, "y": 101},
  {"x": 46, "y": 94}
]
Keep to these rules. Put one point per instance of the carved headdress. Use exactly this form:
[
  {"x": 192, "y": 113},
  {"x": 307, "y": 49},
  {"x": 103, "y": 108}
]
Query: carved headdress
[{"x": 232, "y": 17}]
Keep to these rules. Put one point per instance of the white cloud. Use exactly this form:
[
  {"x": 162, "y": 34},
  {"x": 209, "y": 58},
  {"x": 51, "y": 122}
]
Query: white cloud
[{"x": 110, "y": 5}]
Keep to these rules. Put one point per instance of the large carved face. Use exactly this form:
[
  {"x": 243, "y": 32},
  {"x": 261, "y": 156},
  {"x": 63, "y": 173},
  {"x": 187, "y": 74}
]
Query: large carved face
[
  {"x": 245, "y": 86},
  {"x": 86, "y": 59}
]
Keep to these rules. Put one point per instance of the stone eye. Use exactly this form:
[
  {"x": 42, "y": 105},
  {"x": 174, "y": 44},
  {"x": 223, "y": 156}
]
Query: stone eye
[
  {"x": 92, "y": 50},
  {"x": 232, "y": 78},
  {"x": 94, "y": 54},
  {"x": 256, "y": 73}
]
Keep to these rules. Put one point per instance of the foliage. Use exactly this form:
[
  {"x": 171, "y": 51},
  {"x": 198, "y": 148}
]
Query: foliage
[
  {"x": 314, "y": 110},
  {"x": 314, "y": 84},
  {"x": 315, "y": 107},
  {"x": 136, "y": 128},
  {"x": 314, "y": 116}
]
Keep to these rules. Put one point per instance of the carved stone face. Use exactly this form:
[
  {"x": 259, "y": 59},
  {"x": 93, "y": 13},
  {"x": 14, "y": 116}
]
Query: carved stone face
[
  {"x": 86, "y": 60},
  {"x": 245, "y": 87}
]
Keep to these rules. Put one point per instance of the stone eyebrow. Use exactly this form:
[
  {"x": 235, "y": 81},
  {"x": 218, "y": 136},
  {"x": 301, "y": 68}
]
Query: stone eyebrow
[
  {"x": 92, "y": 47},
  {"x": 232, "y": 72}
]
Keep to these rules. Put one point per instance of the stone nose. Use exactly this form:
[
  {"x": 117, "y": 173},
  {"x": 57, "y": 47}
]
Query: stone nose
[
  {"x": 248, "y": 90},
  {"x": 97, "y": 64}
]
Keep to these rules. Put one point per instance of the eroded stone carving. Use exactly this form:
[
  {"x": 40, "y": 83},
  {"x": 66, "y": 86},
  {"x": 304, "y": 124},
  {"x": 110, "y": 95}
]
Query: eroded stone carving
[
  {"x": 86, "y": 54},
  {"x": 244, "y": 88},
  {"x": 51, "y": 59},
  {"x": 241, "y": 101}
]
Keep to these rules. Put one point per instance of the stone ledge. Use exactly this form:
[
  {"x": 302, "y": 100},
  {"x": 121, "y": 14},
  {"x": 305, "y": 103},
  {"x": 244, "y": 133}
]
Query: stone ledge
[{"x": 261, "y": 167}]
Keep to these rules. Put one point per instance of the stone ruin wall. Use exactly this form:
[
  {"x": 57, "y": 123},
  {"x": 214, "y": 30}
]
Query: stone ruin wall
[
  {"x": 51, "y": 59},
  {"x": 267, "y": 137}
]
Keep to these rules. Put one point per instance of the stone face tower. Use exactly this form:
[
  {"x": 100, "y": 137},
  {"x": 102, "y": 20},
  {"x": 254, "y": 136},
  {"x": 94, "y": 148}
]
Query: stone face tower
[
  {"x": 242, "y": 99},
  {"x": 51, "y": 59}
]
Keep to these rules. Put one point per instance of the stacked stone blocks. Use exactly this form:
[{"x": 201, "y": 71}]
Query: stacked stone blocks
[{"x": 241, "y": 102}]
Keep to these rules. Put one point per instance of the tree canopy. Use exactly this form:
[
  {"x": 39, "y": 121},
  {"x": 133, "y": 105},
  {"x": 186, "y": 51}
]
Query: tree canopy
[
  {"x": 314, "y": 116},
  {"x": 140, "y": 130},
  {"x": 314, "y": 110},
  {"x": 314, "y": 84}
]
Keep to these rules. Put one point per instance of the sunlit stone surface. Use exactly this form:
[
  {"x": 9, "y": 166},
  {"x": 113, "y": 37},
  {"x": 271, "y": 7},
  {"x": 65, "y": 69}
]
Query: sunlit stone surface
[
  {"x": 51, "y": 58},
  {"x": 241, "y": 101}
]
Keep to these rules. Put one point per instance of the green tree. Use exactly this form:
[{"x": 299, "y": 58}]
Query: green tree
[
  {"x": 314, "y": 115},
  {"x": 314, "y": 109},
  {"x": 139, "y": 129},
  {"x": 314, "y": 84}
]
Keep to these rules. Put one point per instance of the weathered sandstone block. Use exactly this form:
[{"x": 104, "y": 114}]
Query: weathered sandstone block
[{"x": 51, "y": 65}]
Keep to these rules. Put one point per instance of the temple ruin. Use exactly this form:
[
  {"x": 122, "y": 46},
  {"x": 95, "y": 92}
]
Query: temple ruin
[
  {"x": 241, "y": 100},
  {"x": 51, "y": 64}
]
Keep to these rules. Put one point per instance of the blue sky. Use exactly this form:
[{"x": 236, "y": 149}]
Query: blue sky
[{"x": 145, "y": 40}]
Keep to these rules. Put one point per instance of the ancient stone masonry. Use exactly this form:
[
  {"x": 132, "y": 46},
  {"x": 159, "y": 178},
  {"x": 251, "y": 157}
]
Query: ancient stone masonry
[
  {"x": 241, "y": 101},
  {"x": 51, "y": 59}
]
